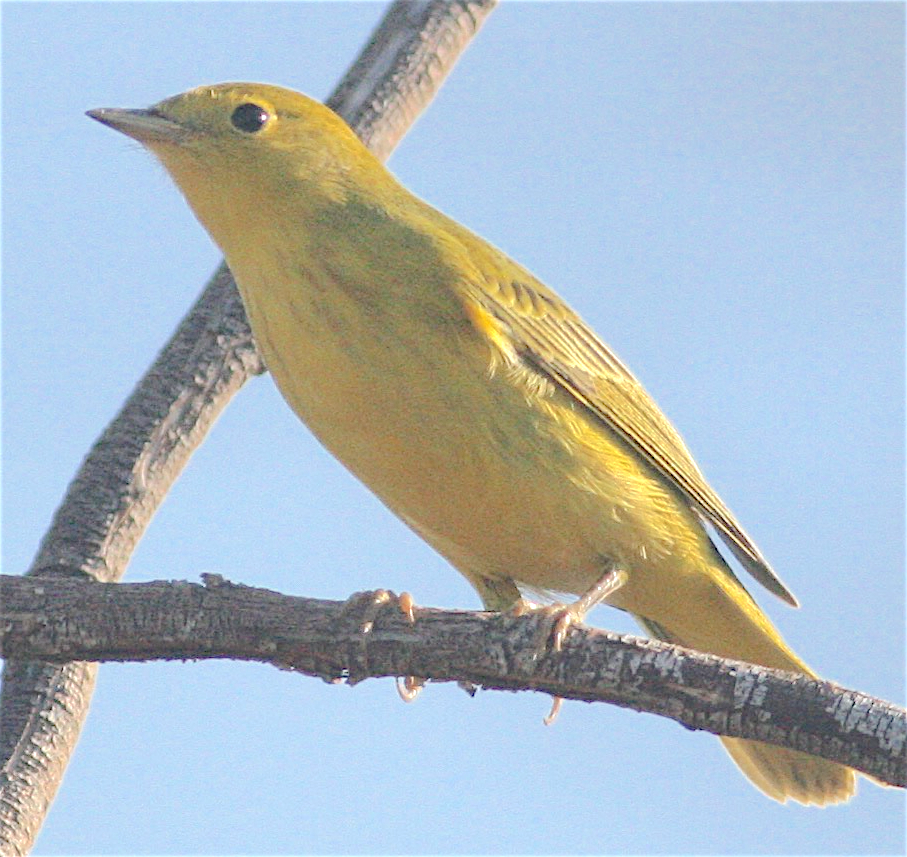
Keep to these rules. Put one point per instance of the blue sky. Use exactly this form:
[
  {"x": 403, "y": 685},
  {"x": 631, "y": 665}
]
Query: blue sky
[{"x": 717, "y": 188}]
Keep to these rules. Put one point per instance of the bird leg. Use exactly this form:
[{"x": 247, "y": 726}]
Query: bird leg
[
  {"x": 563, "y": 616},
  {"x": 566, "y": 615}
]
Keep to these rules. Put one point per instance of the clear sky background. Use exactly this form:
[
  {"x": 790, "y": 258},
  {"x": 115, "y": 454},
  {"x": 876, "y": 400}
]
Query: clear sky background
[{"x": 719, "y": 189}]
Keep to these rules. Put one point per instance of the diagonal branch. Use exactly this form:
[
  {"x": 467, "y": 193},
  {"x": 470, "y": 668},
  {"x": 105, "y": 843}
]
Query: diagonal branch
[
  {"x": 127, "y": 473},
  {"x": 60, "y": 619}
]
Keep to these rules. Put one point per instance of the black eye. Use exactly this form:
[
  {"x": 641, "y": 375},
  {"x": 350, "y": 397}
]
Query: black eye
[{"x": 249, "y": 117}]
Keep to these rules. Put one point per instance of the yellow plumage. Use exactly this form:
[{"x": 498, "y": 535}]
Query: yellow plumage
[{"x": 462, "y": 391}]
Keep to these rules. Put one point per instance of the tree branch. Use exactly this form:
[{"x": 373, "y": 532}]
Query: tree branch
[
  {"x": 127, "y": 473},
  {"x": 63, "y": 619}
]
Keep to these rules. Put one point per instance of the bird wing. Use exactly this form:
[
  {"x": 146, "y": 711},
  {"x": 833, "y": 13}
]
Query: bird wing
[{"x": 548, "y": 336}]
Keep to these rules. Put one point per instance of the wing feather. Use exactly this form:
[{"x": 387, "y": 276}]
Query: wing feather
[{"x": 556, "y": 342}]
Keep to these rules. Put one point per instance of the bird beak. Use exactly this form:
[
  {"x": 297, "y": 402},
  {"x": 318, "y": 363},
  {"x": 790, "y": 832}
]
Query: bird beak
[{"x": 147, "y": 126}]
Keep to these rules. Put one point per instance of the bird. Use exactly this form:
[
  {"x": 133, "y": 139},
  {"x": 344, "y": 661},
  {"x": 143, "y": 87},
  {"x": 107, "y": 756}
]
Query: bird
[{"x": 467, "y": 395}]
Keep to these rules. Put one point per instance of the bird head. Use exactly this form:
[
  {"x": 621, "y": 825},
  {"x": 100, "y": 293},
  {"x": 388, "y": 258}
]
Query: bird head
[{"x": 248, "y": 154}]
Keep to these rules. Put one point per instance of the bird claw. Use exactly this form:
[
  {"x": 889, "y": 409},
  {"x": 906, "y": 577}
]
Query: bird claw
[
  {"x": 556, "y": 703},
  {"x": 562, "y": 618},
  {"x": 406, "y": 603},
  {"x": 409, "y": 687},
  {"x": 523, "y": 607}
]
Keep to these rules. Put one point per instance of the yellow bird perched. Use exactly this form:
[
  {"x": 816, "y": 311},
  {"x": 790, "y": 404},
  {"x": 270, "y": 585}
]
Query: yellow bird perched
[{"x": 468, "y": 396}]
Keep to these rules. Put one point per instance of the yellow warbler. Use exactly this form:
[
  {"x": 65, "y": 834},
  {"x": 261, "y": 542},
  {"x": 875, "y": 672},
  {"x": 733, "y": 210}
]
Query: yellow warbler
[{"x": 468, "y": 396}]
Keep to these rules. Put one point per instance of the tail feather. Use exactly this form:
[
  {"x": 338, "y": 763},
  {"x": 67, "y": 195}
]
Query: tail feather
[
  {"x": 780, "y": 773},
  {"x": 791, "y": 775}
]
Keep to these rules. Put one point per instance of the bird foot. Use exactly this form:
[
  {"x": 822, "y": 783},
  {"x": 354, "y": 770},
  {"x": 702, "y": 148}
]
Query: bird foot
[
  {"x": 366, "y": 606},
  {"x": 560, "y": 618}
]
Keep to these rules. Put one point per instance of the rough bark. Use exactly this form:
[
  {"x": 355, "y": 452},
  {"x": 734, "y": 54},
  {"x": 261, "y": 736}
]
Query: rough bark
[{"x": 369, "y": 636}]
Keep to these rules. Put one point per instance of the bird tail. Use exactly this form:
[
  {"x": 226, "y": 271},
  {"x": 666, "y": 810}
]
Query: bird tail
[
  {"x": 785, "y": 774},
  {"x": 736, "y": 628}
]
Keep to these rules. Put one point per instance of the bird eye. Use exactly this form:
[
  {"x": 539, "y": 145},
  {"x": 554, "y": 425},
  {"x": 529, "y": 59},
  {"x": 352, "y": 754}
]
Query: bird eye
[{"x": 249, "y": 118}]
